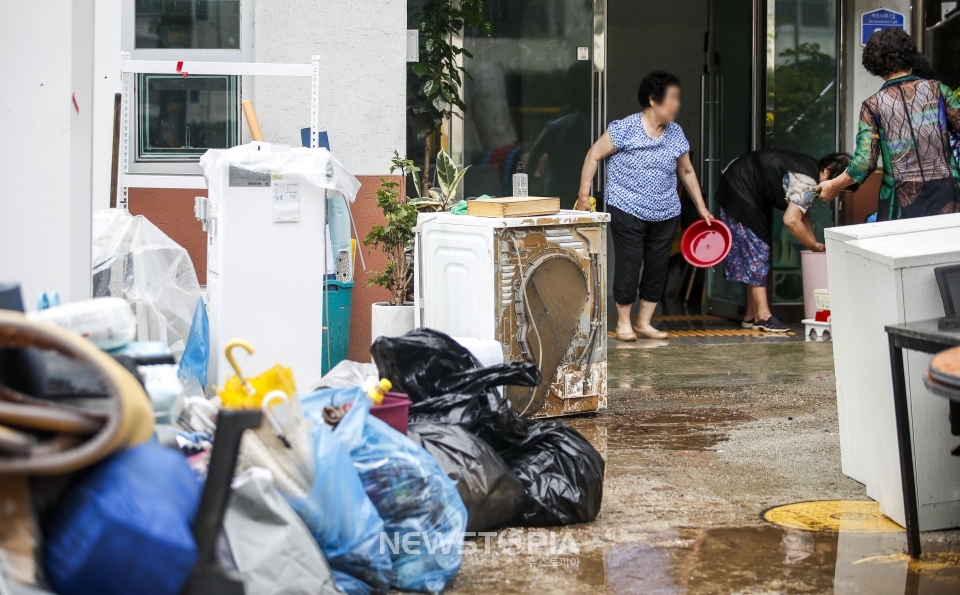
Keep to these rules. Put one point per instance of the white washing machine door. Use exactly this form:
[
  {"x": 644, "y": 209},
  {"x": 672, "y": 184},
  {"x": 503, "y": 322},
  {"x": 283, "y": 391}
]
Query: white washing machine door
[{"x": 553, "y": 294}]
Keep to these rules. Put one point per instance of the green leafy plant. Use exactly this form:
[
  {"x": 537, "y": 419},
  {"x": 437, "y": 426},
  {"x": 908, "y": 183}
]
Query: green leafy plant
[
  {"x": 441, "y": 196},
  {"x": 395, "y": 236},
  {"x": 435, "y": 80}
]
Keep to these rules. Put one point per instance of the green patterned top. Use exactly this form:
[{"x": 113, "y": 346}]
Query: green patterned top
[{"x": 906, "y": 126}]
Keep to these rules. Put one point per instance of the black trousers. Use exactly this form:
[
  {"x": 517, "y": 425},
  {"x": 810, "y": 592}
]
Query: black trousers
[{"x": 639, "y": 243}]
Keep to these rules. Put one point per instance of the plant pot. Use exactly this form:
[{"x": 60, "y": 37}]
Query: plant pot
[{"x": 388, "y": 320}]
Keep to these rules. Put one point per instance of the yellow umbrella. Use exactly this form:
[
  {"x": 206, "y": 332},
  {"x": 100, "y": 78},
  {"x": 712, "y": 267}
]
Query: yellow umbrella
[{"x": 240, "y": 392}]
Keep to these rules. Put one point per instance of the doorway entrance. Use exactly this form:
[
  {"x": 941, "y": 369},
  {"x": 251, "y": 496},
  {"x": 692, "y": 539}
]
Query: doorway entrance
[{"x": 756, "y": 74}]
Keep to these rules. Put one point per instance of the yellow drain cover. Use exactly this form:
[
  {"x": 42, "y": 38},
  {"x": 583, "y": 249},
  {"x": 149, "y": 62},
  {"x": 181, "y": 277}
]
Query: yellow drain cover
[{"x": 833, "y": 516}]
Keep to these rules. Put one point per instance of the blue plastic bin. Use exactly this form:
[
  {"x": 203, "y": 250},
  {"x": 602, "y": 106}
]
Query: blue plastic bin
[{"x": 337, "y": 297}]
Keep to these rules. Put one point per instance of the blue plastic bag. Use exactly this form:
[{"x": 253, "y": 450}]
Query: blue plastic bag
[
  {"x": 421, "y": 508},
  {"x": 196, "y": 355},
  {"x": 351, "y": 585},
  {"x": 340, "y": 516},
  {"x": 124, "y": 526}
]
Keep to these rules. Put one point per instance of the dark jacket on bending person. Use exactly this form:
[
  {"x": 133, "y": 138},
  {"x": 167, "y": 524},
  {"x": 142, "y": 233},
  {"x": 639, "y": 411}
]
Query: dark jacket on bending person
[{"x": 752, "y": 186}]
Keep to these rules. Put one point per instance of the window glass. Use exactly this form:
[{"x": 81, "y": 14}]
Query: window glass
[
  {"x": 941, "y": 21},
  {"x": 801, "y": 114},
  {"x": 528, "y": 97},
  {"x": 195, "y": 24},
  {"x": 802, "y": 76},
  {"x": 181, "y": 117}
]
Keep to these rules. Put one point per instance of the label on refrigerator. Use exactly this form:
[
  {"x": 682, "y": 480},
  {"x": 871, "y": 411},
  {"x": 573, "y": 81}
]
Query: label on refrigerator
[
  {"x": 244, "y": 178},
  {"x": 286, "y": 202}
]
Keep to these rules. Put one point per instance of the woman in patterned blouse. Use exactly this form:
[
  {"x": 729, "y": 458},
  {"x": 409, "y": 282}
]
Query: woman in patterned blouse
[
  {"x": 906, "y": 126},
  {"x": 648, "y": 153}
]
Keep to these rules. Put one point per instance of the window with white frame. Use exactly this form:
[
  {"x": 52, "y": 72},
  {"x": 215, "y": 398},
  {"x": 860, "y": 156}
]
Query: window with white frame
[
  {"x": 193, "y": 24},
  {"x": 177, "y": 118}
]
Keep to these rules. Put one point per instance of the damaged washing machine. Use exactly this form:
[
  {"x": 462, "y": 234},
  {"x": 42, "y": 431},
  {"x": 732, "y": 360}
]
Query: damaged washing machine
[{"x": 538, "y": 285}]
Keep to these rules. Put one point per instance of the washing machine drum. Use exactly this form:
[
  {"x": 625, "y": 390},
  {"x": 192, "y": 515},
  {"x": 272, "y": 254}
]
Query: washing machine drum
[{"x": 553, "y": 298}]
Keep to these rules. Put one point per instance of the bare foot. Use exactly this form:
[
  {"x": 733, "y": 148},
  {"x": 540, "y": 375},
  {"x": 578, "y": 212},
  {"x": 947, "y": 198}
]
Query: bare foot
[
  {"x": 648, "y": 332},
  {"x": 625, "y": 333}
]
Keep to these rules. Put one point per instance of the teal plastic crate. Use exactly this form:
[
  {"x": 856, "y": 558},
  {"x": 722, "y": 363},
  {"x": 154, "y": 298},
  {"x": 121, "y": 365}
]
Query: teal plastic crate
[{"x": 337, "y": 297}]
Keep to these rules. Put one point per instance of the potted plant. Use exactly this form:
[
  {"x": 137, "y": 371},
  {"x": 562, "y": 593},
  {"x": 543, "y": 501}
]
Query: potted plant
[
  {"x": 393, "y": 238},
  {"x": 443, "y": 194}
]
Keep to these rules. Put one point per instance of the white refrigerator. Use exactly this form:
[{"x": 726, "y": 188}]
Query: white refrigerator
[{"x": 881, "y": 274}]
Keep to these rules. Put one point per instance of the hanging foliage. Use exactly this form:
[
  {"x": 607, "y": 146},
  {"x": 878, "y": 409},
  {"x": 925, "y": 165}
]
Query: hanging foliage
[{"x": 436, "y": 79}]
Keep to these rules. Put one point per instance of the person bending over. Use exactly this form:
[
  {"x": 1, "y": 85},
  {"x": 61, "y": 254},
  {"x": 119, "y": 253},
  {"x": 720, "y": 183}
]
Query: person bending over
[{"x": 750, "y": 189}]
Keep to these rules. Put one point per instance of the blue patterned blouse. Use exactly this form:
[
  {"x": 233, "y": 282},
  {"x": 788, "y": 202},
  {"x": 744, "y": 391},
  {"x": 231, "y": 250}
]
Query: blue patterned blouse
[{"x": 642, "y": 174}]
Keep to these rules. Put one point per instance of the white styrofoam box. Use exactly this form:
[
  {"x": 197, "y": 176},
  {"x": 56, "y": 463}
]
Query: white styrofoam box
[
  {"x": 488, "y": 353},
  {"x": 265, "y": 280},
  {"x": 880, "y": 274}
]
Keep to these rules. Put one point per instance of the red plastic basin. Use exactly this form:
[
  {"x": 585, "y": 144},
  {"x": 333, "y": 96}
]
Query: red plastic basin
[
  {"x": 705, "y": 245},
  {"x": 394, "y": 411}
]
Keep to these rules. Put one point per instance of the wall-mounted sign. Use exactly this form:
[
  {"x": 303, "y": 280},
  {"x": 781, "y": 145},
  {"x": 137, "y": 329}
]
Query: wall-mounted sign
[
  {"x": 413, "y": 45},
  {"x": 879, "y": 19}
]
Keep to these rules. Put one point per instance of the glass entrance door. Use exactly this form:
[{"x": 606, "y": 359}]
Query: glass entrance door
[
  {"x": 800, "y": 115},
  {"x": 529, "y": 97},
  {"x": 728, "y": 118},
  {"x": 785, "y": 51}
]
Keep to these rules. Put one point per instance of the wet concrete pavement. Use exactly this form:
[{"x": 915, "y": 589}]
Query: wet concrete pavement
[{"x": 699, "y": 439}]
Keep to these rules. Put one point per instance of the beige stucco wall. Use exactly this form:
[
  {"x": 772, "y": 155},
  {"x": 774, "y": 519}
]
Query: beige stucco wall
[{"x": 363, "y": 47}]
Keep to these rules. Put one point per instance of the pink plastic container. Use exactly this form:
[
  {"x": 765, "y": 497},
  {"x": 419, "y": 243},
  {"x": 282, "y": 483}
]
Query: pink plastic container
[
  {"x": 814, "y": 269},
  {"x": 704, "y": 245},
  {"x": 394, "y": 411}
]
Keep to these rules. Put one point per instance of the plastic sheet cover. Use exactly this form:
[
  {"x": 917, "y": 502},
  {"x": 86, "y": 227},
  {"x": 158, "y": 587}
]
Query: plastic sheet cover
[
  {"x": 317, "y": 166},
  {"x": 134, "y": 260}
]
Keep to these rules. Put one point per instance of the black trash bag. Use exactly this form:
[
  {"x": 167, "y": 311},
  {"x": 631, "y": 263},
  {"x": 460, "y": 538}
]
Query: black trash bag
[
  {"x": 446, "y": 384},
  {"x": 490, "y": 490},
  {"x": 561, "y": 472}
]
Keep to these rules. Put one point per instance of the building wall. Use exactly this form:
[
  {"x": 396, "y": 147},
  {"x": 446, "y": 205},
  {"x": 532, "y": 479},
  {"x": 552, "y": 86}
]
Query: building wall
[
  {"x": 363, "y": 47},
  {"x": 46, "y": 117},
  {"x": 363, "y": 107},
  {"x": 860, "y": 83},
  {"x": 362, "y": 103},
  {"x": 106, "y": 83},
  {"x": 366, "y": 215}
]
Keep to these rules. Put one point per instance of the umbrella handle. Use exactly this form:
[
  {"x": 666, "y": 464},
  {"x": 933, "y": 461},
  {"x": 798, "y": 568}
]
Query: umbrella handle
[
  {"x": 265, "y": 407},
  {"x": 228, "y": 351}
]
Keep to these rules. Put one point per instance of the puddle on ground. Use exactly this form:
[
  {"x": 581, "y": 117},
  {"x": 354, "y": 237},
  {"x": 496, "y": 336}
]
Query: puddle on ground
[
  {"x": 730, "y": 366},
  {"x": 680, "y": 429},
  {"x": 766, "y": 560}
]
